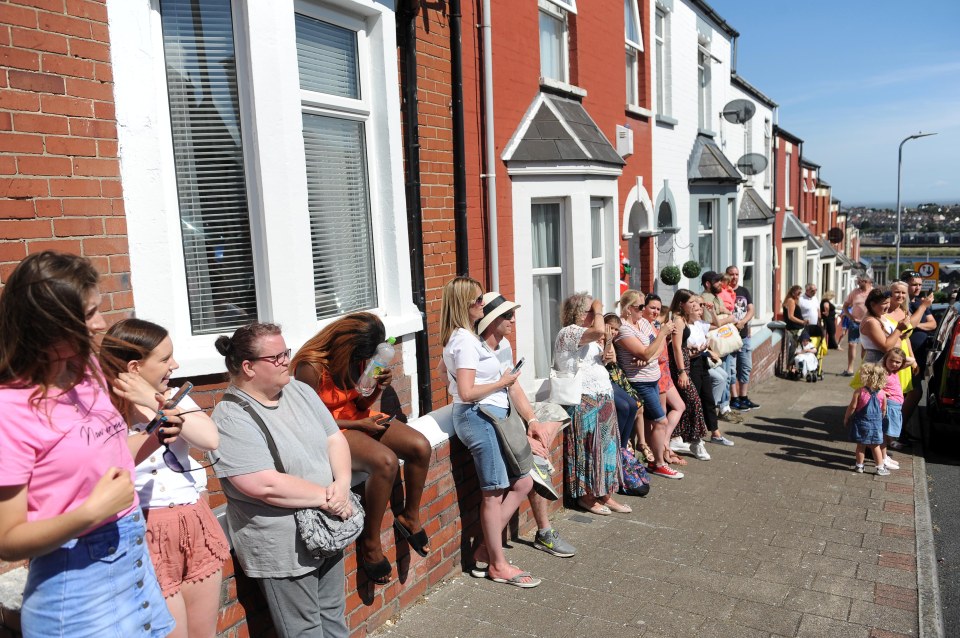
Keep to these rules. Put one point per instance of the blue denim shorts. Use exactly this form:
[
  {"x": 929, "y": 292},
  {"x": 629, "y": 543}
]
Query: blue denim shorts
[
  {"x": 475, "y": 431},
  {"x": 853, "y": 333},
  {"x": 893, "y": 421},
  {"x": 99, "y": 585},
  {"x": 649, "y": 392}
]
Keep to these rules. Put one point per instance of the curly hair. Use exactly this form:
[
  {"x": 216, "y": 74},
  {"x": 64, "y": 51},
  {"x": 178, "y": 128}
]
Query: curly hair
[
  {"x": 342, "y": 347},
  {"x": 873, "y": 376},
  {"x": 574, "y": 308}
]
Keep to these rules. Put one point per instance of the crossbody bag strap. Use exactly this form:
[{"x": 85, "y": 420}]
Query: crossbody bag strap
[{"x": 271, "y": 444}]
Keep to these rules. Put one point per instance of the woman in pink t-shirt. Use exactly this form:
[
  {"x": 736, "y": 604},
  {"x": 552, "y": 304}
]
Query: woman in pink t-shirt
[{"x": 67, "y": 501}]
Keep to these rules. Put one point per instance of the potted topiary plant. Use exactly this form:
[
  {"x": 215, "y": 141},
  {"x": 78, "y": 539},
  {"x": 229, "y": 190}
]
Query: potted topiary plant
[
  {"x": 670, "y": 275},
  {"x": 691, "y": 269}
]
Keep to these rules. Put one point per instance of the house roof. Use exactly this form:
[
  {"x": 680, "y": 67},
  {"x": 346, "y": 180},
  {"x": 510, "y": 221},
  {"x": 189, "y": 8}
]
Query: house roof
[
  {"x": 827, "y": 249},
  {"x": 707, "y": 163},
  {"x": 787, "y": 135},
  {"x": 753, "y": 208},
  {"x": 713, "y": 15},
  {"x": 557, "y": 129},
  {"x": 793, "y": 228},
  {"x": 752, "y": 90},
  {"x": 809, "y": 163}
]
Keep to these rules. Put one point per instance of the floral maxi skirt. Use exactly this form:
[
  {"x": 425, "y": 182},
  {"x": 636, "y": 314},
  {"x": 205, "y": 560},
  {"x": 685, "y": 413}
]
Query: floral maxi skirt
[{"x": 592, "y": 448}]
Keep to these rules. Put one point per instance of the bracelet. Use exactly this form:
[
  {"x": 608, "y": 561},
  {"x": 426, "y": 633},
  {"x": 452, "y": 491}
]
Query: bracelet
[{"x": 533, "y": 419}]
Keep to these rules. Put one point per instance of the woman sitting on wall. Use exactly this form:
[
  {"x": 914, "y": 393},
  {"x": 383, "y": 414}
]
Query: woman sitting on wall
[{"x": 331, "y": 363}]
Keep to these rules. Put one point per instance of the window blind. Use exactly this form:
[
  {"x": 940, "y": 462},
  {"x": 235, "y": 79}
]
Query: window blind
[
  {"x": 339, "y": 205},
  {"x": 208, "y": 155},
  {"x": 327, "y": 58}
]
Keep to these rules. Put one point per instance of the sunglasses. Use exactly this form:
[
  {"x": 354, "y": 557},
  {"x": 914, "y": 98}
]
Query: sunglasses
[
  {"x": 173, "y": 463},
  {"x": 478, "y": 301},
  {"x": 279, "y": 359},
  {"x": 508, "y": 315},
  {"x": 639, "y": 306}
]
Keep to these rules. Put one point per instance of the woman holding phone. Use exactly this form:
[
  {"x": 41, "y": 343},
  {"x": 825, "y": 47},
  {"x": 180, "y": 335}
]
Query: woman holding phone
[
  {"x": 331, "y": 363},
  {"x": 187, "y": 545},
  {"x": 67, "y": 501}
]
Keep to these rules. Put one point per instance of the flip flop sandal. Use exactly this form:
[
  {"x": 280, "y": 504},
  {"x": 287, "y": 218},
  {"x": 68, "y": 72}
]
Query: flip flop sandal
[
  {"x": 518, "y": 580},
  {"x": 418, "y": 541},
  {"x": 379, "y": 572}
]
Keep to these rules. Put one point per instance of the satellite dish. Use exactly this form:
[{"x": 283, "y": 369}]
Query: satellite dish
[
  {"x": 738, "y": 111},
  {"x": 835, "y": 235},
  {"x": 752, "y": 164}
]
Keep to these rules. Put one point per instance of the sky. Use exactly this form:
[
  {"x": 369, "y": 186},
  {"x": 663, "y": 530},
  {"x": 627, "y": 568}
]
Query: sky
[{"x": 855, "y": 77}]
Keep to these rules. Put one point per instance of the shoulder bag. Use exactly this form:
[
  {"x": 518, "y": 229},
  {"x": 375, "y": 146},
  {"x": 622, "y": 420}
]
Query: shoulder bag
[
  {"x": 323, "y": 533},
  {"x": 725, "y": 339}
]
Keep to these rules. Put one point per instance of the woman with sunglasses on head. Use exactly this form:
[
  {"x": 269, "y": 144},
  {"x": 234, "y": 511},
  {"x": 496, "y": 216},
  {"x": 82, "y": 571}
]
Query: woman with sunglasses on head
[
  {"x": 476, "y": 379},
  {"x": 67, "y": 501},
  {"x": 331, "y": 363},
  {"x": 670, "y": 399},
  {"x": 264, "y": 408},
  {"x": 187, "y": 545}
]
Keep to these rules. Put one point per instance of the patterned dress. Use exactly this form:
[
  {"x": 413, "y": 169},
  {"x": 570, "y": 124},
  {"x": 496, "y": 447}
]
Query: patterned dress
[
  {"x": 692, "y": 425},
  {"x": 591, "y": 446}
]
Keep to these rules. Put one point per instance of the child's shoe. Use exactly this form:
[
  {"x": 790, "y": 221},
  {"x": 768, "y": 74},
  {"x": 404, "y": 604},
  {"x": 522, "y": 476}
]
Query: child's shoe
[
  {"x": 890, "y": 464},
  {"x": 882, "y": 471},
  {"x": 858, "y": 468}
]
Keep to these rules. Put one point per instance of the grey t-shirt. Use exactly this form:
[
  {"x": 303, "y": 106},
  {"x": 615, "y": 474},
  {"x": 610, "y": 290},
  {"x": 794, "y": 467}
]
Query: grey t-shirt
[{"x": 265, "y": 537}]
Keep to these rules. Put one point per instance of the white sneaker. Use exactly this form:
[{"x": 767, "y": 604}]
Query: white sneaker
[
  {"x": 890, "y": 464},
  {"x": 699, "y": 450},
  {"x": 677, "y": 445}
]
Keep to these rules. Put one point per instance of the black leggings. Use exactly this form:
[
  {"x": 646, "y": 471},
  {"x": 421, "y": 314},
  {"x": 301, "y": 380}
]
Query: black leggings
[{"x": 700, "y": 377}]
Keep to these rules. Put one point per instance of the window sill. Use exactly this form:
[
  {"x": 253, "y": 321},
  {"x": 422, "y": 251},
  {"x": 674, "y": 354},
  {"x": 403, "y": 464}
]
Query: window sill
[
  {"x": 666, "y": 120},
  {"x": 638, "y": 110},
  {"x": 562, "y": 87}
]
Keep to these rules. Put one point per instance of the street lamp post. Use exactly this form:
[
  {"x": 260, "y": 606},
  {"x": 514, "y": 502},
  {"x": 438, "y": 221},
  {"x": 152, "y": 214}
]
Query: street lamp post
[{"x": 899, "y": 168}]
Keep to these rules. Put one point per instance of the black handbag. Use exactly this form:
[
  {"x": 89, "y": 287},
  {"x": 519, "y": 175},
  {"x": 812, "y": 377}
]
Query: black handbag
[{"x": 323, "y": 533}]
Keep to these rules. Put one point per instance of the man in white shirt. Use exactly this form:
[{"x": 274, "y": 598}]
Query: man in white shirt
[{"x": 809, "y": 304}]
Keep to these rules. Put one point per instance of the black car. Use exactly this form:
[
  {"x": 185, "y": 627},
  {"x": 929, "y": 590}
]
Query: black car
[{"x": 943, "y": 370}]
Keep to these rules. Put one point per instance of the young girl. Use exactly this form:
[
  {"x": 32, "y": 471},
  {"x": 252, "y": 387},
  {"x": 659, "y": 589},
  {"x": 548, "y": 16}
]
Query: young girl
[
  {"x": 67, "y": 501},
  {"x": 893, "y": 362},
  {"x": 727, "y": 294},
  {"x": 187, "y": 545},
  {"x": 864, "y": 416},
  {"x": 805, "y": 358}
]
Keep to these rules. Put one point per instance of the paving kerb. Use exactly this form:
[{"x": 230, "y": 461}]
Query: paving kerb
[{"x": 776, "y": 534}]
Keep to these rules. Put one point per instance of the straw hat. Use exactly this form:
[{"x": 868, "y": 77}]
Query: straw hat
[{"x": 494, "y": 305}]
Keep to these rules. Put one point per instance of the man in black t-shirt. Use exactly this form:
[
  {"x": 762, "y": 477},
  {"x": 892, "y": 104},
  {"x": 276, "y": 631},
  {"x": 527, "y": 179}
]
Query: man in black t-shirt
[
  {"x": 919, "y": 340},
  {"x": 743, "y": 313}
]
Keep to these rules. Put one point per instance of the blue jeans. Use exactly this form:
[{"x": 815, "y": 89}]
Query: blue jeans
[
  {"x": 475, "y": 431},
  {"x": 626, "y": 413},
  {"x": 729, "y": 365},
  {"x": 649, "y": 392},
  {"x": 744, "y": 361},
  {"x": 98, "y": 585},
  {"x": 718, "y": 379}
]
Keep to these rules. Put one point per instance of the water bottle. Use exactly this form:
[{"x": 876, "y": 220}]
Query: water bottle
[{"x": 384, "y": 355}]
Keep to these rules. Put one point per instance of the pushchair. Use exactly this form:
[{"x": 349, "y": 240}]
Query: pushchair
[
  {"x": 819, "y": 339},
  {"x": 786, "y": 365}
]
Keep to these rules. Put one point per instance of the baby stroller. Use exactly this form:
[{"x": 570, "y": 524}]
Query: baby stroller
[
  {"x": 818, "y": 339},
  {"x": 808, "y": 357}
]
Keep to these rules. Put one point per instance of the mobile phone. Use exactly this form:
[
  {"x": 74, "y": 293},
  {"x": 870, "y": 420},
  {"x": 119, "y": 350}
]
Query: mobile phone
[
  {"x": 384, "y": 421},
  {"x": 519, "y": 365},
  {"x": 169, "y": 404}
]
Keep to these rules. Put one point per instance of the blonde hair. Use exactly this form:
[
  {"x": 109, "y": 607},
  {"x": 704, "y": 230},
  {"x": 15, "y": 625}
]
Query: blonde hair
[
  {"x": 905, "y": 305},
  {"x": 574, "y": 308},
  {"x": 829, "y": 295},
  {"x": 629, "y": 298},
  {"x": 458, "y": 295},
  {"x": 873, "y": 376},
  {"x": 893, "y": 352}
]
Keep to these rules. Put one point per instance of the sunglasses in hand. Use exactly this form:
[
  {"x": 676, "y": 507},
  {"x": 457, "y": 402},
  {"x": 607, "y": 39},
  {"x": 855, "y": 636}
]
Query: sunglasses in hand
[{"x": 173, "y": 463}]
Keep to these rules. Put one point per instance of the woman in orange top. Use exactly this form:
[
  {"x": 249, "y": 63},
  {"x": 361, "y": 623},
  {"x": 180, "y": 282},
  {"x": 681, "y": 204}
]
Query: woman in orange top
[{"x": 332, "y": 362}]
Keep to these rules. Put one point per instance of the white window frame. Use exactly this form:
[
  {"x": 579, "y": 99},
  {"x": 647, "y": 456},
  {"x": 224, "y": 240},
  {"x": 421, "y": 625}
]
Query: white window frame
[
  {"x": 565, "y": 5},
  {"x": 562, "y": 269},
  {"x": 704, "y": 115},
  {"x": 635, "y": 17},
  {"x": 766, "y": 152},
  {"x": 788, "y": 157},
  {"x": 754, "y": 240},
  {"x": 633, "y": 76},
  {"x": 709, "y": 234},
  {"x": 791, "y": 263},
  {"x": 270, "y": 98},
  {"x": 557, "y": 10},
  {"x": 662, "y": 61},
  {"x": 599, "y": 261}
]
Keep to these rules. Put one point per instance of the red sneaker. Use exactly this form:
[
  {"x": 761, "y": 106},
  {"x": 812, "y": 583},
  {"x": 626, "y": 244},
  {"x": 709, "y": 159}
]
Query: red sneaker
[{"x": 665, "y": 471}]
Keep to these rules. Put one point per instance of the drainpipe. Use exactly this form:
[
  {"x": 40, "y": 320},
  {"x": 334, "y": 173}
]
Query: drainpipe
[
  {"x": 459, "y": 159},
  {"x": 490, "y": 159},
  {"x": 407, "y": 35}
]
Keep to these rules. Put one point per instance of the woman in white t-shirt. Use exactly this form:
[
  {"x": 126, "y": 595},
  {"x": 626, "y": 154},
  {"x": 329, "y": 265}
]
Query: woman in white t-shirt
[
  {"x": 187, "y": 545},
  {"x": 475, "y": 377}
]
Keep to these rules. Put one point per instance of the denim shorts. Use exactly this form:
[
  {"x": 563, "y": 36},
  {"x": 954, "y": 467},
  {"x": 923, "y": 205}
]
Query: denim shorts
[
  {"x": 475, "y": 431},
  {"x": 893, "y": 421},
  {"x": 853, "y": 333},
  {"x": 649, "y": 392},
  {"x": 100, "y": 585}
]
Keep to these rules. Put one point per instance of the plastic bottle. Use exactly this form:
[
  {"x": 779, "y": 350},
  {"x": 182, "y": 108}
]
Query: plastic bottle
[{"x": 384, "y": 355}]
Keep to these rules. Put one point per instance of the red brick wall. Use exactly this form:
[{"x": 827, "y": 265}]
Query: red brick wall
[{"x": 59, "y": 168}]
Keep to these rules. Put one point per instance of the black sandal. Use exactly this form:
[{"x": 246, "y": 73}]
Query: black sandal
[
  {"x": 379, "y": 572},
  {"x": 418, "y": 541}
]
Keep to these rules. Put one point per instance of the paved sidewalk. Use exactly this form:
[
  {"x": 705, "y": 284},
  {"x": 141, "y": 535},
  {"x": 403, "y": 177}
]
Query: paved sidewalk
[{"x": 776, "y": 536}]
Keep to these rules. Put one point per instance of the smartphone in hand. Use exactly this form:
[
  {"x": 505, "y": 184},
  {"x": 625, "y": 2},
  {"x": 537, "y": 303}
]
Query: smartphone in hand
[
  {"x": 519, "y": 365},
  {"x": 169, "y": 404}
]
